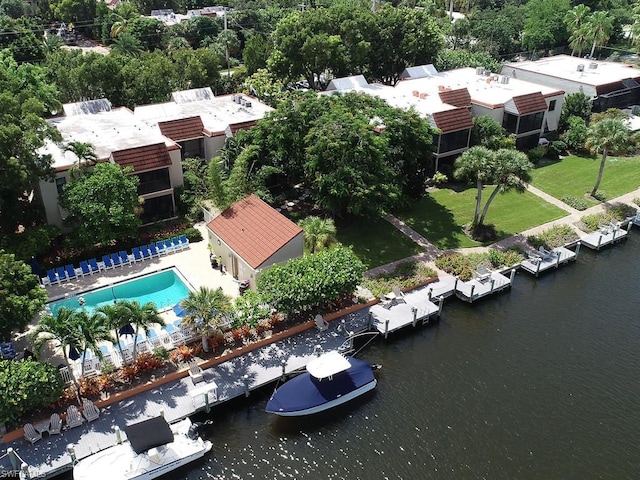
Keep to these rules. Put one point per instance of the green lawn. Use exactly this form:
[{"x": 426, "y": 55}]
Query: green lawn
[
  {"x": 576, "y": 176},
  {"x": 376, "y": 242},
  {"x": 440, "y": 215}
]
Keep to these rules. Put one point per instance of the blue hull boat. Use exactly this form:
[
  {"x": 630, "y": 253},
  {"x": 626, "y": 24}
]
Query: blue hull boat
[{"x": 330, "y": 380}]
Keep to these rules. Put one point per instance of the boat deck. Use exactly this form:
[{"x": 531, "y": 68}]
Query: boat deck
[
  {"x": 603, "y": 237},
  {"x": 475, "y": 289},
  {"x": 559, "y": 256}
]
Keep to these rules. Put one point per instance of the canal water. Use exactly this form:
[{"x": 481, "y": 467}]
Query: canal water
[{"x": 540, "y": 382}]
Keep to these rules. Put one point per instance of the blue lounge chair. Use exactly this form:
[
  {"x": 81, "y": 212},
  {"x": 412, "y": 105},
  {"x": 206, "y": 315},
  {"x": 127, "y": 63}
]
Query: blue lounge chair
[
  {"x": 176, "y": 243},
  {"x": 71, "y": 272},
  {"x": 137, "y": 254},
  {"x": 94, "y": 265},
  {"x": 184, "y": 241},
  {"x": 124, "y": 258},
  {"x": 115, "y": 259},
  {"x": 153, "y": 250},
  {"x": 145, "y": 251},
  {"x": 62, "y": 275},
  {"x": 53, "y": 278},
  {"x": 86, "y": 269},
  {"x": 107, "y": 262},
  {"x": 161, "y": 248},
  {"x": 168, "y": 246}
]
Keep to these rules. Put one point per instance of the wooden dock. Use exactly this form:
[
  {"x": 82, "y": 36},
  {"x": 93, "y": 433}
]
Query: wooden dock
[
  {"x": 412, "y": 308},
  {"x": 605, "y": 236},
  {"x": 475, "y": 289},
  {"x": 443, "y": 288},
  {"x": 537, "y": 264}
]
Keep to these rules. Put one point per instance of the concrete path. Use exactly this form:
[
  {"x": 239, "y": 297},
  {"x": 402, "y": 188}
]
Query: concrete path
[{"x": 432, "y": 252}]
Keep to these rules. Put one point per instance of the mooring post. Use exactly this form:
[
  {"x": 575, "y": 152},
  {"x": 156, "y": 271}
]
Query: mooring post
[
  {"x": 538, "y": 263},
  {"x": 207, "y": 407},
  {"x": 13, "y": 458},
  {"x": 513, "y": 275},
  {"x": 429, "y": 292},
  {"x": 599, "y": 240},
  {"x": 118, "y": 434},
  {"x": 558, "y": 260},
  {"x": 284, "y": 365},
  {"x": 25, "y": 472},
  {"x": 72, "y": 453},
  {"x": 162, "y": 412},
  {"x": 473, "y": 287},
  {"x": 415, "y": 315},
  {"x": 577, "y": 249},
  {"x": 440, "y": 303},
  {"x": 245, "y": 379},
  {"x": 493, "y": 283},
  {"x": 386, "y": 328}
]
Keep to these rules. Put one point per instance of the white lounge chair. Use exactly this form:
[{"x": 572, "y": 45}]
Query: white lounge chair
[
  {"x": 321, "y": 323},
  {"x": 55, "y": 424},
  {"x": 195, "y": 372},
  {"x": 89, "y": 410},
  {"x": 74, "y": 419},
  {"x": 31, "y": 434}
]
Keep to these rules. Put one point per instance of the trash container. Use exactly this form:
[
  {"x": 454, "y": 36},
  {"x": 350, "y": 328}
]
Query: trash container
[{"x": 243, "y": 286}]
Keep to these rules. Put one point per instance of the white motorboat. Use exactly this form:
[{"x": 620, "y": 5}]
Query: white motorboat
[
  {"x": 330, "y": 380},
  {"x": 153, "y": 448}
]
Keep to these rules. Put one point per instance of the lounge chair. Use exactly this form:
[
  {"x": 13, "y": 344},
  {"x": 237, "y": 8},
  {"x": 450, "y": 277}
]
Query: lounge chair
[
  {"x": 176, "y": 243},
  {"x": 115, "y": 259},
  {"x": 71, "y": 272},
  {"x": 86, "y": 269},
  {"x": 55, "y": 424},
  {"x": 144, "y": 249},
  {"x": 93, "y": 263},
  {"x": 398, "y": 295},
  {"x": 153, "y": 250},
  {"x": 169, "y": 246},
  {"x": 62, "y": 275},
  {"x": 321, "y": 323},
  {"x": 195, "y": 372},
  {"x": 184, "y": 241},
  {"x": 137, "y": 254},
  {"x": 31, "y": 434},
  {"x": 53, "y": 278},
  {"x": 482, "y": 274},
  {"x": 162, "y": 250},
  {"x": 74, "y": 419},
  {"x": 124, "y": 258},
  {"x": 89, "y": 410},
  {"x": 106, "y": 260}
]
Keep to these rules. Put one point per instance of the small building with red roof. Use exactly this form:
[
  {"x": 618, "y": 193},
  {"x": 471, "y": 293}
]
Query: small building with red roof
[{"x": 250, "y": 236}]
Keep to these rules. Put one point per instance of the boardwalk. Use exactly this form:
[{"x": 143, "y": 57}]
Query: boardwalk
[{"x": 537, "y": 264}]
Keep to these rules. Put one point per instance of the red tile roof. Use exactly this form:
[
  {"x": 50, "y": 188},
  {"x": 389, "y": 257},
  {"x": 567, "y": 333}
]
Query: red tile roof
[
  {"x": 531, "y": 103},
  {"x": 253, "y": 230},
  {"x": 182, "y": 128},
  {"x": 453, "y": 120},
  {"x": 458, "y": 98},
  {"x": 148, "y": 157}
]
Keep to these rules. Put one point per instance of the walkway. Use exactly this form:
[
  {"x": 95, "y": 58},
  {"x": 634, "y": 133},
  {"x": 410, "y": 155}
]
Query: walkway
[{"x": 432, "y": 252}]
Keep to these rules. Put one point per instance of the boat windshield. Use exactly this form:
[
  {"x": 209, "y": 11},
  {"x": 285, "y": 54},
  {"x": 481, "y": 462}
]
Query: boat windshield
[{"x": 327, "y": 365}]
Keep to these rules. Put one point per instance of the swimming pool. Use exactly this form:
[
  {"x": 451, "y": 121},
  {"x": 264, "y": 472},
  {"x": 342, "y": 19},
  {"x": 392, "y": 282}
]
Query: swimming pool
[{"x": 165, "y": 289}]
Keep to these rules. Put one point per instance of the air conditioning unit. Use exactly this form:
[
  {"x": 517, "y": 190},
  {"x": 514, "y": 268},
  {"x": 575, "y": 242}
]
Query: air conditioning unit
[
  {"x": 479, "y": 70},
  {"x": 247, "y": 104},
  {"x": 580, "y": 68},
  {"x": 504, "y": 80},
  {"x": 593, "y": 65}
]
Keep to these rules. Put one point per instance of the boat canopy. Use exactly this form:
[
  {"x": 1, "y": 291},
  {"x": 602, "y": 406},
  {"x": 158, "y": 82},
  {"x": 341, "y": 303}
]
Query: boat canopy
[
  {"x": 327, "y": 365},
  {"x": 150, "y": 433}
]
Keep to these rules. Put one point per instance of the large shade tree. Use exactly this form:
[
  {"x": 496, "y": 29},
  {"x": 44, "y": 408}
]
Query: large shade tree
[
  {"x": 21, "y": 296},
  {"x": 606, "y": 136}
]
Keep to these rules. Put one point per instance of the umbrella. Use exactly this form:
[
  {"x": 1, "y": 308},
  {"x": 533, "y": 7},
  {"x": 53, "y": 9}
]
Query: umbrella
[
  {"x": 36, "y": 269},
  {"x": 126, "y": 330},
  {"x": 179, "y": 311},
  {"x": 73, "y": 353}
]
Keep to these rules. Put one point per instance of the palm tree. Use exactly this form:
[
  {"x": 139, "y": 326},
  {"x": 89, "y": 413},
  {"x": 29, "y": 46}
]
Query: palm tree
[
  {"x": 575, "y": 19},
  {"x": 601, "y": 26},
  {"x": 477, "y": 165},
  {"x": 580, "y": 39},
  {"x": 125, "y": 12},
  {"x": 206, "y": 309},
  {"x": 85, "y": 156},
  {"x": 61, "y": 329},
  {"x": 114, "y": 317},
  {"x": 93, "y": 330},
  {"x": 142, "y": 317},
  {"x": 318, "y": 233},
  {"x": 127, "y": 44},
  {"x": 608, "y": 135}
]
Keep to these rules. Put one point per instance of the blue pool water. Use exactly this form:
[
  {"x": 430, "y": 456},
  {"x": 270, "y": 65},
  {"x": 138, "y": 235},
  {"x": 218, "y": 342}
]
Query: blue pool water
[{"x": 165, "y": 289}]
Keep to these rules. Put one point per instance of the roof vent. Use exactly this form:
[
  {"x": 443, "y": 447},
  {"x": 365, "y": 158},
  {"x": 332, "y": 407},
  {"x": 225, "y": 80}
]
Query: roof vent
[
  {"x": 593, "y": 65},
  {"x": 504, "y": 80},
  {"x": 580, "y": 68},
  {"x": 479, "y": 70},
  {"x": 247, "y": 104}
]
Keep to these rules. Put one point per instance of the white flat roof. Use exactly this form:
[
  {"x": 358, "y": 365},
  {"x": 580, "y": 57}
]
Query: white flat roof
[
  {"x": 108, "y": 132},
  {"x": 482, "y": 91},
  {"x": 566, "y": 67},
  {"x": 216, "y": 114}
]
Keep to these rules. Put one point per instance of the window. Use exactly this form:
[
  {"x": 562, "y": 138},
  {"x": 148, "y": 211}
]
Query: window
[
  {"x": 510, "y": 122},
  {"x": 530, "y": 123},
  {"x": 154, "y": 181},
  {"x": 552, "y": 105},
  {"x": 60, "y": 183},
  {"x": 454, "y": 141}
]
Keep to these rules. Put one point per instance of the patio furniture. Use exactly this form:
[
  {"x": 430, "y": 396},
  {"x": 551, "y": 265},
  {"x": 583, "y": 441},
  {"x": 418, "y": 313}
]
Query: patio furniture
[
  {"x": 321, "y": 323},
  {"x": 176, "y": 243},
  {"x": 482, "y": 274},
  {"x": 89, "y": 410},
  {"x": 93, "y": 263},
  {"x": 154, "y": 250},
  {"x": 71, "y": 272},
  {"x": 53, "y": 278},
  {"x": 115, "y": 259},
  {"x": 31, "y": 434},
  {"x": 86, "y": 269},
  {"x": 137, "y": 254},
  {"x": 106, "y": 260},
  {"x": 62, "y": 275},
  {"x": 124, "y": 258},
  {"x": 74, "y": 419},
  {"x": 144, "y": 249},
  {"x": 162, "y": 250},
  {"x": 184, "y": 241},
  {"x": 195, "y": 372},
  {"x": 398, "y": 295},
  {"x": 169, "y": 247},
  {"x": 55, "y": 424}
]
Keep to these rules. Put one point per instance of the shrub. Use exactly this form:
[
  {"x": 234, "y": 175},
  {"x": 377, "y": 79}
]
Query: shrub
[
  {"x": 621, "y": 211},
  {"x": 406, "y": 275},
  {"x": 161, "y": 353},
  {"x": 193, "y": 234},
  {"x": 128, "y": 372},
  {"x": 553, "y": 237},
  {"x": 576, "y": 134},
  {"x": 637, "y": 201},
  {"x": 89, "y": 386},
  {"x": 575, "y": 202},
  {"x": 556, "y": 148},
  {"x": 536, "y": 154},
  {"x": 600, "y": 195},
  {"x": 108, "y": 368},
  {"x": 105, "y": 382},
  {"x": 147, "y": 362},
  {"x": 616, "y": 212},
  {"x": 464, "y": 266},
  {"x": 250, "y": 309},
  {"x": 439, "y": 178},
  {"x": 183, "y": 353}
]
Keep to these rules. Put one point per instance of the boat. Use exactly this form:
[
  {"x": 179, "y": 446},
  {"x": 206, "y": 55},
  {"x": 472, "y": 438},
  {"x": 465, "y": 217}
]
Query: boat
[
  {"x": 330, "y": 380},
  {"x": 153, "y": 448}
]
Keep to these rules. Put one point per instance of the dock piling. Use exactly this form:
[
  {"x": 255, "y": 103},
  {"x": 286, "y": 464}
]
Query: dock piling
[
  {"x": 24, "y": 473},
  {"x": 72, "y": 453},
  {"x": 283, "y": 377},
  {"x": 513, "y": 275},
  {"x": 440, "y": 304},
  {"x": 386, "y": 328},
  {"x": 577, "y": 249},
  {"x": 414, "y": 310},
  {"x": 118, "y": 434},
  {"x": 13, "y": 458},
  {"x": 245, "y": 380},
  {"x": 207, "y": 407}
]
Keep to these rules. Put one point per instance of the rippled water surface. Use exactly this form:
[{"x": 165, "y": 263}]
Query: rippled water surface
[{"x": 541, "y": 382}]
